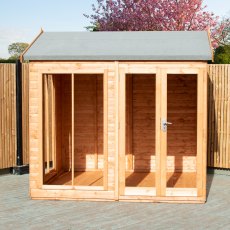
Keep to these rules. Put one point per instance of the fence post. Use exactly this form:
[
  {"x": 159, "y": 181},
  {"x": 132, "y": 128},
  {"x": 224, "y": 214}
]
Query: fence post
[
  {"x": 20, "y": 168},
  {"x": 19, "y": 112}
]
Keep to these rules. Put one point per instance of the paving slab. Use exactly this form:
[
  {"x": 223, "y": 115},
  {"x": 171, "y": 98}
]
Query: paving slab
[{"x": 18, "y": 211}]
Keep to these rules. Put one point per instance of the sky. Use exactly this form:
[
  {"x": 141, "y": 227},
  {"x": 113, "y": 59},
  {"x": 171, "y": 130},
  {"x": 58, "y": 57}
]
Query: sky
[{"x": 22, "y": 20}]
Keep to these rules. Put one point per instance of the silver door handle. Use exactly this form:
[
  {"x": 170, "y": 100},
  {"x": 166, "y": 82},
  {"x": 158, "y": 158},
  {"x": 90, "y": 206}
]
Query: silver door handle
[{"x": 164, "y": 125}]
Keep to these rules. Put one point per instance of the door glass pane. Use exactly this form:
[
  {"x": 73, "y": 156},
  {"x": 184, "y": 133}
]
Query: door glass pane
[
  {"x": 140, "y": 130},
  {"x": 182, "y": 133},
  {"x": 57, "y": 129},
  {"x": 88, "y": 130}
]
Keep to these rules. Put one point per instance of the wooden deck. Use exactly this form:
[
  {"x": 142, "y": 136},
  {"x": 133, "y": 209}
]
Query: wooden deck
[{"x": 19, "y": 211}]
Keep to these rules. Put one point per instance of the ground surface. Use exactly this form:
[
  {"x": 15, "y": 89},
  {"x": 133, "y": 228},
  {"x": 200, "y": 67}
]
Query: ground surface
[{"x": 17, "y": 211}]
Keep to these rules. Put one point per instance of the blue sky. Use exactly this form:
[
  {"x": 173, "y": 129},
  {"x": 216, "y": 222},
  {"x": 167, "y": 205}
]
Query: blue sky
[{"x": 21, "y": 20}]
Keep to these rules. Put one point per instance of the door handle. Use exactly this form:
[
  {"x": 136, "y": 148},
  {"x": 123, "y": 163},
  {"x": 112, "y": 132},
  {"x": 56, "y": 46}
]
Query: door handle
[{"x": 164, "y": 124}]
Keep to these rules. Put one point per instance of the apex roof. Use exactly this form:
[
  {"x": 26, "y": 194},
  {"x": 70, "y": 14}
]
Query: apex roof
[{"x": 141, "y": 45}]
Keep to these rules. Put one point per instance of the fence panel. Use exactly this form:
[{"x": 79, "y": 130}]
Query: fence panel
[
  {"x": 7, "y": 115},
  {"x": 219, "y": 116}
]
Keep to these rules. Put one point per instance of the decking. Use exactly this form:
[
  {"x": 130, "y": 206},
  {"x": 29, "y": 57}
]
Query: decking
[{"x": 19, "y": 211}]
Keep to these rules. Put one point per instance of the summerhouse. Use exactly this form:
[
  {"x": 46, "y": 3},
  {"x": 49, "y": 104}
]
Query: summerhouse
[{"x": 118, "y": 115}]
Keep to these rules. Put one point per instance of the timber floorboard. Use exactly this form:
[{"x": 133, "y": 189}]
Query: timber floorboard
[
  {"x": 174, "y": 180},
  {"x": 140, "y": 179},
  {"x": 181, "y": 180},
  {"x": 91, "y": 178},
  {"x": 133, "y": 179}
]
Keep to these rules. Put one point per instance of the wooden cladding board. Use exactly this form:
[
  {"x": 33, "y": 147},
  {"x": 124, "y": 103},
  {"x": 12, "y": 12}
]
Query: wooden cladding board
[
  {"x": 88, "y": 122},
  {"x": 182, "y": 113}
]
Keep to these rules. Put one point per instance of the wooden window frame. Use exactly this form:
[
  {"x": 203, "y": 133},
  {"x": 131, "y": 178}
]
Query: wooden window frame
[{"x": 104, "y": 187}]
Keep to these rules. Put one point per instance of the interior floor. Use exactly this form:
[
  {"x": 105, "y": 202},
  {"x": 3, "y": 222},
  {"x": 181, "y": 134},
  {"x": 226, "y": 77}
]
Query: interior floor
[
  {"x": 133, "y": 179},
  {"x": 140, "y": 179},
  {"x": 181, "y": 180},
  {"x": 91, "y": 178},
  {"x": 174, "y": 180}
]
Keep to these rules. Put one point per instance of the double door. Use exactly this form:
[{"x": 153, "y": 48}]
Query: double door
[{"x": 162, "y": 133}]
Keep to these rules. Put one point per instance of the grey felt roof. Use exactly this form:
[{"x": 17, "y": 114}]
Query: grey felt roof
[{"x": 143, "y": 45}]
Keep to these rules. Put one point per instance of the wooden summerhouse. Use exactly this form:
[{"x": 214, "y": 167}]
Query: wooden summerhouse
[{"x": 118, "y": 116}]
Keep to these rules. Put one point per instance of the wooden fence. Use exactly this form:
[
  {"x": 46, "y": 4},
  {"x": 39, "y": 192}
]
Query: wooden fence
[
  {"x": 218, "y": 115},
  {"x": 8, "y": 114}
]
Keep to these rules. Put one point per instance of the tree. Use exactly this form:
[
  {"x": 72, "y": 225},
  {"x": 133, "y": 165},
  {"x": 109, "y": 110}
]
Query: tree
[
  {"x": 222, "y": 55},
  {"x": 15, "y": 49},
  {"x": 223, "y": 35},
  {"x": 2, "y": 60},
  {"x": 160, "y": 15}
]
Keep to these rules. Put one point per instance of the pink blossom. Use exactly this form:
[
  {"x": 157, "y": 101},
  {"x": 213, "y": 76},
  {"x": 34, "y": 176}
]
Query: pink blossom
[{"x": 161, "y": 15}]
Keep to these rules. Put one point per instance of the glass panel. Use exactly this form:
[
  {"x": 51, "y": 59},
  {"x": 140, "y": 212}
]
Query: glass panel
[
  {"x": 182, "y": 133},
  {"x": 140, "y": 130},
  {"x": 88, "y": 129},
  {"x": 49, "y": 123},
  {"x": 57, "y": 129}
]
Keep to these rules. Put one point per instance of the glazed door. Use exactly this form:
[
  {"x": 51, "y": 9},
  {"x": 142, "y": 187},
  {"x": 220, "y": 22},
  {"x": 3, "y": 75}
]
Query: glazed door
[
  {"x": 181, "y": 130},
  {"x": 137, "y": 135},
  {"x": 161, "y": 134}
]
